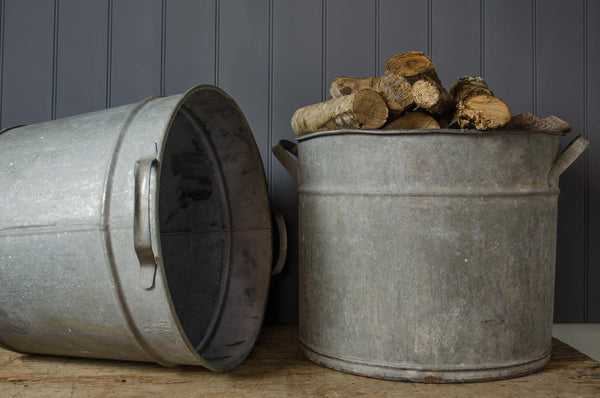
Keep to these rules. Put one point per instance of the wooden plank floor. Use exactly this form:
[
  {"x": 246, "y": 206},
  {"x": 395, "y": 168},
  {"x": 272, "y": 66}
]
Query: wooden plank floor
[{"x": 274, "y": 369}]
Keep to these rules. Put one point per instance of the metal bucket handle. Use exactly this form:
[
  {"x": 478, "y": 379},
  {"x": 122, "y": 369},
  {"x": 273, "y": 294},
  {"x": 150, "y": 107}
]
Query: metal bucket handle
[
  {"x": 282, "y": 153},
  {"x": 566, "y": 158},
  {"x": 279, "y": 224},
  {"x": 145, "y": 215}
]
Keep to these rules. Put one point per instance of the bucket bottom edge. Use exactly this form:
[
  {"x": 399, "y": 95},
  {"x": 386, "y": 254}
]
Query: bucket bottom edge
[{"x": 436, "y": 376}]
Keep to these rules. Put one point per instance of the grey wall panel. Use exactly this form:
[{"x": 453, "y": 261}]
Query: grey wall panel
[
  {"x": 508, "y": 52},
  {"x": 297, "y": 61},
  {"x": 593, "y": 156},
  {"x": 456, "y": 35},
  {"x": 136, "y": 50},
  {"x": 190, "y": 44},
  {"x": 28, "y": 70},
  {"x": 243, "y": 60},
  {"x": 403, "y": 26},
  {"x": 274, "y": 56},
  {"x": 560, "y": 89},
  {"x": 350, "y": 46},
  {"x": 81, "y": 74},
  {"x": 2, "y": 4}
]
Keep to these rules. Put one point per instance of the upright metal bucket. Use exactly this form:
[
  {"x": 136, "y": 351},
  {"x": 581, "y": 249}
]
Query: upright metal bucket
[
  {"x": 141, "y": 232},
  {"x": 428, "y": 255}
]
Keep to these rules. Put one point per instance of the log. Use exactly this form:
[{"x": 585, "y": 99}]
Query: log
[
  {"x": 345, "y": 85},
  {"x": 394, "y": 89},
  {"x": 527, "y": 121},
  {"x": 476, "y": 106},
  {"x": 409, "y": 79},
  {"x": 413, "y": 121},
  {"x": 363, "y": 109},
  {"x": 411, "y": 63},
  {"x": 523, "y": 121},
  {"x": 552, "y": 123},
  {"x": 426, "y": 88}
]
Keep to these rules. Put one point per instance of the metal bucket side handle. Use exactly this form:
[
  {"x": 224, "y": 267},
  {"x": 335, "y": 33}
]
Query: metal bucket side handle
[
  {"x": 282, "y": 153},
  {"x": 566, "y": 158},
  {"x": 279, "y": 222},
  {"x": 145, "y": 216}
]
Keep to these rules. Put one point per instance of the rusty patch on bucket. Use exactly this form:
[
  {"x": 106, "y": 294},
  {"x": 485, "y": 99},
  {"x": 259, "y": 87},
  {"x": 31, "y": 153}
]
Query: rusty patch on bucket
[{"x": 433, "y": 379}]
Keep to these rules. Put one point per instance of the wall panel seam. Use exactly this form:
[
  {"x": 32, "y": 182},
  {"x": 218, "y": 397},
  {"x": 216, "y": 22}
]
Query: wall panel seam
[
  {"x": 482, "y": 38},
  {"x": 534, "y": 60},
  {"x": 2, "y": 29},
  {"x": 217, "y": 40},
  {"x": 270, "y": 103},
  {"x": 323, "y": 49},
  {"x": 163, "y": 47},
  {"x": 430, "y": 28},
  {"x": 586, "y": 166},
  {"x": 109, "y": 54},
  {"x": 54, "y": 60},
  {"x": 377, "y": 39}
]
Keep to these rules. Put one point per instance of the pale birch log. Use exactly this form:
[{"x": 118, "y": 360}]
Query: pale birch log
[{"x": 363, "y": 109}]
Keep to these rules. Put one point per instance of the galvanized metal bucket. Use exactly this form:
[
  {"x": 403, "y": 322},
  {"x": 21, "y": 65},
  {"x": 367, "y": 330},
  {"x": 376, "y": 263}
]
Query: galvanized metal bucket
[
  {"x": 428, "y": 255},
  {"x": 141, "y": 232}
]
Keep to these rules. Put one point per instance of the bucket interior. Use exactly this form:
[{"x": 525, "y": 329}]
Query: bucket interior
[{"x": 199, "y": 184}]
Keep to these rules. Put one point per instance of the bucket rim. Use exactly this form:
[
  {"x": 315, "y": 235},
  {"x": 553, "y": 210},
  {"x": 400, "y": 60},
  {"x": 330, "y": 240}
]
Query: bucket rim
[{"x": 459, "y": 132}]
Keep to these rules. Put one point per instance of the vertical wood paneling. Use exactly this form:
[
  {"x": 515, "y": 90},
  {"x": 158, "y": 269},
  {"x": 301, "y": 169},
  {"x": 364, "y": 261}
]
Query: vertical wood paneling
[
  {"x": 27, "y": 73},
  {"x": 297, "y": 33},
  {"x": 2, "y": 3},
  {"x": 81, "y": 60},
  {"x": 560, "y": 91},
  {"x": 350, "y": 41},
  {"x": 190, "y": 44},
  {"x": 274, "y": 56},
  {"x": 411, "y": 34},
  {"x": 456, "y": 39},
  {"x": 244, "y": 63},
  {"x": 593, "y": 156},
  {"x": 136, "y": 50},
  {"x": 508, "y": 60}
]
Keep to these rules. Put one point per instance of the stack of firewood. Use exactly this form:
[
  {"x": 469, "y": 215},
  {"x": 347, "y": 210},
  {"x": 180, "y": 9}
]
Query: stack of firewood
[{"x": 410, "y": 96}]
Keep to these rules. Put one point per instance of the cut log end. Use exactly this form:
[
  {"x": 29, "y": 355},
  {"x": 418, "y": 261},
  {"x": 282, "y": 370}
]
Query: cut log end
[
  {"x": 369, "y": 109},
  {"x": 482, "y": 112},
  {"x": 396, "y": 92},
  {"x": 426, "y": 93},
  {"x": 409, "y": 63}
]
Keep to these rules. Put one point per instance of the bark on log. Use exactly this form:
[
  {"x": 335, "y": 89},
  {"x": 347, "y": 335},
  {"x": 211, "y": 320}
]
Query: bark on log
[
  {"x": 345, "y": 85},
  {"x": 413, "y": 121},
  {"x": 363, "y": 109},
  {"x": 529, "y": 122},
  {"x": 523, "y": 121},
  {"x": 476, "y": 106},
  {"x": 551, "y": 123}
]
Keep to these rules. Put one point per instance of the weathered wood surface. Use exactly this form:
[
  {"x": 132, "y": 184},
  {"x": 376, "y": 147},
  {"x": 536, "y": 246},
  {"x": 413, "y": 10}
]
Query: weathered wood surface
[
  {"x": 274, "y": 369},
  {"x": 363, "y": 109},
  {"x": 476, "y": 106}
]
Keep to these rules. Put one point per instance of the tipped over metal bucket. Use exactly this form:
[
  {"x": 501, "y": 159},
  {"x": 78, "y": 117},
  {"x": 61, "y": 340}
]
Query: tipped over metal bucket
[
  {"x": 428, "y": 255},
  {"x": 141, "y": 232}
]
